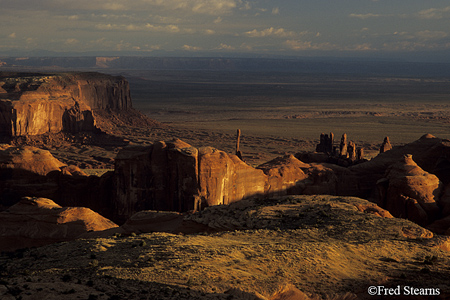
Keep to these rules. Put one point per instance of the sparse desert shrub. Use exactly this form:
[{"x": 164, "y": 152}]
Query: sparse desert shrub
[
  {"x": 290, "y": 292},
  {"x": 93, "y": 263}
]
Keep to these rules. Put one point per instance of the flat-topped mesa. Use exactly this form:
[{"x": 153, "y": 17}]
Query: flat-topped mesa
[{"x": 32, "y": 104}]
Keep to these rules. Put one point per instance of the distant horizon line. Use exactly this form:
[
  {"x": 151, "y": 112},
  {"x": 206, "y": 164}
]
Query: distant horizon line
[
  {"x": 442, "y": 56},
  {"x": 365, "y": 66}
]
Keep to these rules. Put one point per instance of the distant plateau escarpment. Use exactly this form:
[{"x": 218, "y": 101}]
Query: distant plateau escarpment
[{"x": 32, "y": 104}]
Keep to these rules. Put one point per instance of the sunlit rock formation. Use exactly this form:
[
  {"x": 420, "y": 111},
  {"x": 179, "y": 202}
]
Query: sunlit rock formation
[
  {"x": 39, "y": 221},
  {"x": 32, "y": 104}
]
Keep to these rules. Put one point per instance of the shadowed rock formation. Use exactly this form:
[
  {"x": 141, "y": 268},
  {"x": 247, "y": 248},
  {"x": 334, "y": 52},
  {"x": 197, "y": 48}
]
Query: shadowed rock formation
[
  {"x": 326, "y": 143},
  {"x": 238, "y": 140},
  {"x": 386, "y": 145},
  {"x": 343, "y": 146},
  {"x": 411, "y": 192}
]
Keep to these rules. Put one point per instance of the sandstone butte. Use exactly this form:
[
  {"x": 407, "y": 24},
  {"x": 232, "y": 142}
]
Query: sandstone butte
[
  {"x": 174, "y": 176},
  {"x": 32, "y": 104}
]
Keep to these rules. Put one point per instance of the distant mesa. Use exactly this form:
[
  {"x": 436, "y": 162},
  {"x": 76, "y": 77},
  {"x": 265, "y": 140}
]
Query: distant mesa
[{"x": 33, "y": 104}]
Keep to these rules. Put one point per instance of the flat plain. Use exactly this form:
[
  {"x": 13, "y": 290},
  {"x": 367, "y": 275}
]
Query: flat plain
[{"x": 295, "y": 106}]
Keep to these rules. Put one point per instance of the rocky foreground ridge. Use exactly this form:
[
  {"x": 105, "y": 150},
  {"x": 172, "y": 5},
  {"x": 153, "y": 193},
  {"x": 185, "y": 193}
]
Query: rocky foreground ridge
[
  {"x": 32, "y": 104},
  {"x": 328, "y": 247}
]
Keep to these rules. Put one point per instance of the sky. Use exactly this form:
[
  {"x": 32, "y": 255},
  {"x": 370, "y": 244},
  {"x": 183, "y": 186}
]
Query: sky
[{"x": 286, "y": 27}]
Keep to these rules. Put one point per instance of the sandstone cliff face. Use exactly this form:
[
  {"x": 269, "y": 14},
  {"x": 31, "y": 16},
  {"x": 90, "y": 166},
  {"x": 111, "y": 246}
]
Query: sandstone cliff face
[
  {"x": 38, "y": 104},
  {"x": 175, "y": 176}
]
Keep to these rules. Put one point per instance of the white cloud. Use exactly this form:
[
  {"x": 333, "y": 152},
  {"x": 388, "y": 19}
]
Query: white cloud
[
  {"x": 12, "y": 35},
  {"x": 71, "y": 41},
  {"x": 275, "y": 11},
  {"x": 166, "y": 28},
  {"x": 191, "y": 48},
  {"x": 431, "y": 35},
  {"x": 171, "y": 28},
  {"x": 277, "y": 32},
  {"x": 212, "y": 7},
  {"x": 309, "y": 45},
  {"x": 223, "y": 46},
  {"x": 434, "y": 13},
  {"x": 366, "y": 16}
]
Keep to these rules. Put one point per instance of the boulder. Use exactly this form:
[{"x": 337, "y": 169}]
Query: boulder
[
  {"x": 18, "y": 160},
  {"x": 39, "y": 221},
  {"x": 285, "y": 175},
  {"x": 410, "y": 192},
  {"x": 374, "y": 209}
]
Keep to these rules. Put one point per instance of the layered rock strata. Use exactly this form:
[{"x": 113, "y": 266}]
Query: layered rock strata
[{"x": 32, "y": 104}]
